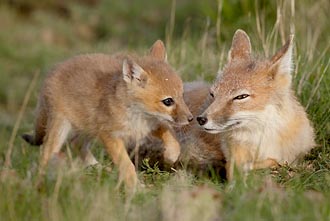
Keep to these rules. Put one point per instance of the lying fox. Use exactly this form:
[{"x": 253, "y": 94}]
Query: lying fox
[
  {"x": 118, "y": 99},
  {"x": 254, "y": 111}
]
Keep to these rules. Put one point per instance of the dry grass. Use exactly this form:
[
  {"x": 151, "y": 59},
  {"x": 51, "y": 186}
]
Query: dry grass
[{"x": 197, "y": 48}]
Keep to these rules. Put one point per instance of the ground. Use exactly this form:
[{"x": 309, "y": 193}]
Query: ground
[{"x": 34, "y": 36}]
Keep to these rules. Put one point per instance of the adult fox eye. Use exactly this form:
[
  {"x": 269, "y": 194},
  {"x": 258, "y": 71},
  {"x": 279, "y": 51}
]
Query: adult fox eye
[
  {"x": 211, "y": 94},
  {"x": 168, "y": 102},
  {"x": 240, "y": 97}
]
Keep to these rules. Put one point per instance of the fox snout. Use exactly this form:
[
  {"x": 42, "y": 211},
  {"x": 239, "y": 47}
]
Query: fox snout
[
  {"x": 190, "y": 118},
  {"x": 184, "y": 115},
  {"x": 214, "y": 118},
  {"x": 208, "y": 124},
  {"x": 202, "y": 120},
  {"x": 185, "y": 119}
]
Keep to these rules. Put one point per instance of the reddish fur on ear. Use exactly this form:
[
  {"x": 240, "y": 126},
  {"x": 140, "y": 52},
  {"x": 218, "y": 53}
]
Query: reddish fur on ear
[
  {"x": 158, "y": 51},
  {"x": 282, "y": 60},
  {"x": 283, "y": 50},
  {"x": 241, "y": 46},
  {"x": 132, "y": 72}
]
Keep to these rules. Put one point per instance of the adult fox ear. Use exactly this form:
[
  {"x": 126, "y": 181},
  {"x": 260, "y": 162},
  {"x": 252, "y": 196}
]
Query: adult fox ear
[
  {"x": 281, "y": 62},
  {"x": 240, "y": 47},
  {"x": 158, "y": 51},
  {"x": 133, "y": 73}
]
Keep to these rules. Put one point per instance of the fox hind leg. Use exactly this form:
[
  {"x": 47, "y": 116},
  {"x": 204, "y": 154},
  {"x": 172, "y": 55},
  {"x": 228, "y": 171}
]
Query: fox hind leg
[
  {"x": 57, "y": 131},
  {"x": 82, "y": 144},
  {"x": 86, "y": 154}
]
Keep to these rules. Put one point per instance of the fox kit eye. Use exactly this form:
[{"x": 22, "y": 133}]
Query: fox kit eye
[
  {"x": 241, "y": 97},
  {"x": 211, "y": 94},
  {"x": 168, "y": 101}
]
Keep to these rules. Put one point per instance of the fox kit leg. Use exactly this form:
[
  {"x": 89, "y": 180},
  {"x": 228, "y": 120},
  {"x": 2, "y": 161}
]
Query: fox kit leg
[
  {"x": 82, "y": 144},
  {"x": 86, "y": 155},
  {"x": 116, "y": 149},
  {"x": 58, "y": 129},
  {"x": 171, "y": 145}
]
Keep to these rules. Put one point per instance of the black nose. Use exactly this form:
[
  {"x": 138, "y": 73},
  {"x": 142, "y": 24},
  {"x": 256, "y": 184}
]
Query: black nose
[
  {"x": 190, "y": 118},
  {"x": 202, "y": 120}
]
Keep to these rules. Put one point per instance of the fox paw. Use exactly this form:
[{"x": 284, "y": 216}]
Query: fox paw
[
  {"x": 171, "y": 155},
  {"x": 247, "y": 167}
]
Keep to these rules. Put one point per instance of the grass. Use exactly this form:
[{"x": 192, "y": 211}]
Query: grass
[{"x": 198, "y": 36}]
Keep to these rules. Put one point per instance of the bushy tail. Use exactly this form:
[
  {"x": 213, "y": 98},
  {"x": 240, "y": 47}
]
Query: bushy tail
[
  {"x": 40, "y": 128},
  {"x": 31, "y": 139}
]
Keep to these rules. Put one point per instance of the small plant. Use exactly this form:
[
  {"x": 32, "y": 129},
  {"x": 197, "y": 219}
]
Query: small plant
[{"x": 152, "y": 174}]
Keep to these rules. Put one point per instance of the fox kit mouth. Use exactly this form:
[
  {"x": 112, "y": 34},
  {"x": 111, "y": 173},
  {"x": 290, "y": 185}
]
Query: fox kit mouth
[
  {"x": 211, "y": 131},
  {"x": 221, "y": 128}
]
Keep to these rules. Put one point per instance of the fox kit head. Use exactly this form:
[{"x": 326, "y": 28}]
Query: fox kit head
[
  {"x": 247, "y": 86},
  {"x": 155, "y": 87}
]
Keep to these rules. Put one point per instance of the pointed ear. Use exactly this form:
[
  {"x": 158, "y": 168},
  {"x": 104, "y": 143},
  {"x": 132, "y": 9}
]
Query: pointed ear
[
  {"x": 281, "y": 62},
  {"x": 158, "y": 51},
  {"x": 133, "y": 73},
  {"x": 240, "y": 47}
]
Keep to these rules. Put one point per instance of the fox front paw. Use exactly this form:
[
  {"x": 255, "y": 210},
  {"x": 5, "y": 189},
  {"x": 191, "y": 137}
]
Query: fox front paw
[
  {"x": 247, "y": 167},
  {"x": 171, "y": 154},
  {"x": 129, "y": 176}
]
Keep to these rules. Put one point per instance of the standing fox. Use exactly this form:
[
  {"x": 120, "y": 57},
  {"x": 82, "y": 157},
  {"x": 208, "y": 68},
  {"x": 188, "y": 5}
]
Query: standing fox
[
  {"x": 117, "y": 99},
  {"x": 260, "y": 121}
]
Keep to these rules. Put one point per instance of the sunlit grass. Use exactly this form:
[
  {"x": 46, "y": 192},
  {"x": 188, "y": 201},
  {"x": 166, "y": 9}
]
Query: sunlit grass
[{"x": 198, "y": 40}]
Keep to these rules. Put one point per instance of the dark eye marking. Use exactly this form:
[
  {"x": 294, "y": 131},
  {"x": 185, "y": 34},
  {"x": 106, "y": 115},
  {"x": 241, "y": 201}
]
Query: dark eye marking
[
  {"x": 211, "y": 94},
  {"x": 168, "y": 101},
  {"x": 241, "y": 97}
]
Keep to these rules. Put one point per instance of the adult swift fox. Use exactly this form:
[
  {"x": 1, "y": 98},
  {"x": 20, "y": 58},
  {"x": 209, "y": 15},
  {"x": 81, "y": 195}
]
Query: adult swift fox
[
  {"x": 254, "y": 110},
  {"x": 118, "y": 99}
]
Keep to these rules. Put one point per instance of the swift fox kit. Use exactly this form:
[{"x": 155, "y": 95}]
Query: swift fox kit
[
  {"x": 254, "y": 108},
  {"x": 118, "y": 99},
  {"x": 200, "y": 151}
]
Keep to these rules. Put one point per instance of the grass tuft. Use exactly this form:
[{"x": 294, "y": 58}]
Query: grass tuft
[{"x": 35, "y": 36}]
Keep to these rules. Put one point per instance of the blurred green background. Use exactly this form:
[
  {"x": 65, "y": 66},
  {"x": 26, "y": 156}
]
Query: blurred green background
[{"x": 35, "y": 35}]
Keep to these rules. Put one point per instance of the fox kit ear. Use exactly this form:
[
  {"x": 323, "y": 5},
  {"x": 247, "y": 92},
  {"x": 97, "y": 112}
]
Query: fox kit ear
[
  {"x": 158, "y": 51},
  {"x": 281, "y": 62},
  {"x": 133, "y": 73},
  {"x": 240, "y": 47}
]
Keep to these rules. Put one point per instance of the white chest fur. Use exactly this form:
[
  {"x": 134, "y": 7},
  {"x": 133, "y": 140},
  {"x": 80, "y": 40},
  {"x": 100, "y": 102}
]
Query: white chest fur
[
  {"x": 137, "y": 125},
  {"x": 262, "y": 136}
]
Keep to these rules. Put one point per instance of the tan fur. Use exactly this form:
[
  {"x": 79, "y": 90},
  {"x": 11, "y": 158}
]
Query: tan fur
[
  {"x": 200, "y": 150},
  {"x": 267, "y": 127},
  {"x": 171, "y": 145},
  {"x": 276, "y": 130},
  {"x": 117, "y": 99}
]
